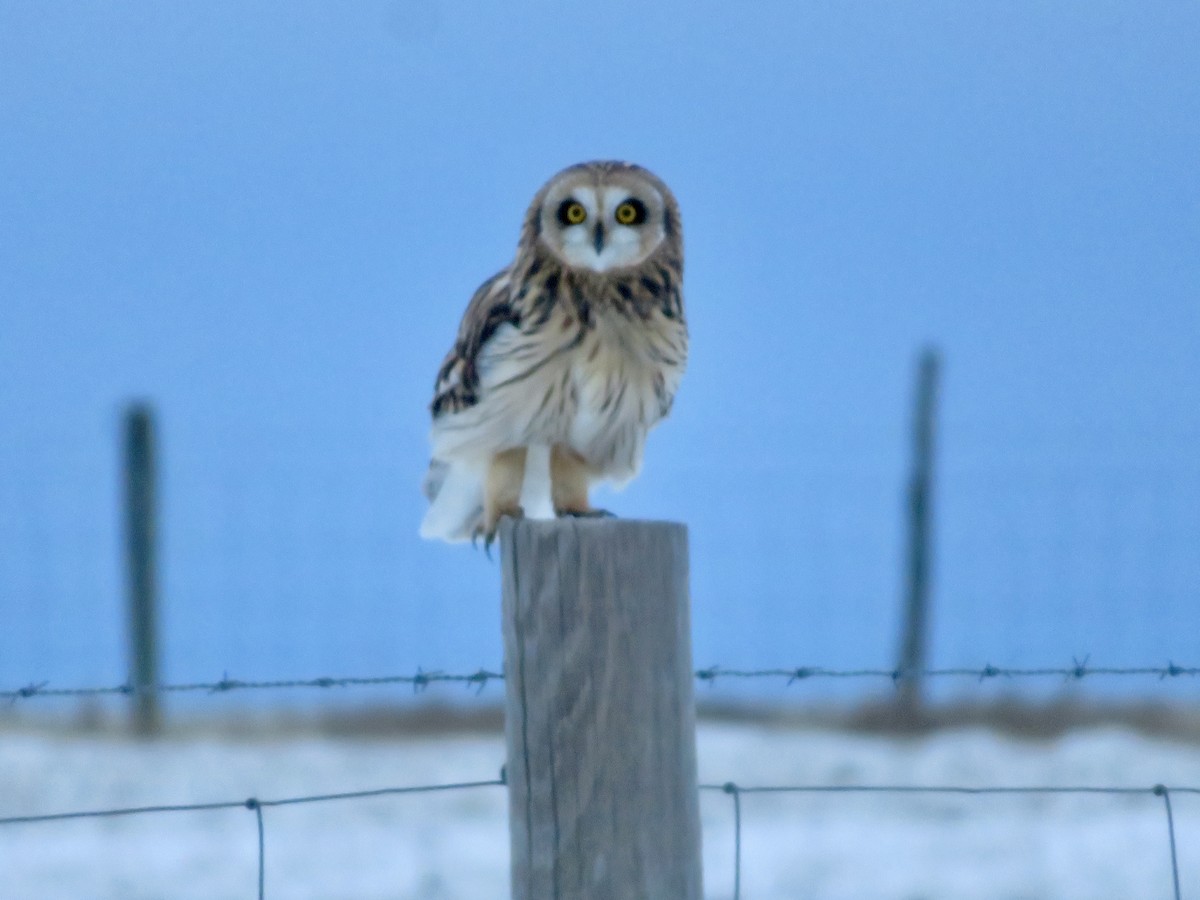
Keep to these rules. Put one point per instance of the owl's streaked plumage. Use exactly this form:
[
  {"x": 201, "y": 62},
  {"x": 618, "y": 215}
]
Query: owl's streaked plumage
[{"x": 571, "y": 353}]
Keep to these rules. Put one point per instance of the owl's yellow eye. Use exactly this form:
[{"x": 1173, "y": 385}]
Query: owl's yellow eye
[
  {"x": 571, "y": 212},
  {"x": 631, "y": 212}
]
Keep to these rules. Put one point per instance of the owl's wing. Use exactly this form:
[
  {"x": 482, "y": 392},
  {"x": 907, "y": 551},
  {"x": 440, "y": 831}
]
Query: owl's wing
[{"x": 457, "y": 385}]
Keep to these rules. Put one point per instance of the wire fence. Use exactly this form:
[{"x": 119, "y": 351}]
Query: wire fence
[
  {"x": 255, "y": 805},
  {"x": 1079, "y": 669},
  {"x": 735, "y": 792}
]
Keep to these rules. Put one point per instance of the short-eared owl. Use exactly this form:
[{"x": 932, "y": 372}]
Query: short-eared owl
[{"x": 569, "y": 355}]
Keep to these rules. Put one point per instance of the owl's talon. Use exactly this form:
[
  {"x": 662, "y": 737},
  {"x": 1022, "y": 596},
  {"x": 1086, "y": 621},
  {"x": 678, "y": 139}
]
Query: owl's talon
[
  {"x": 489, "y": 534},
  {"x": 488, "y": 537}
]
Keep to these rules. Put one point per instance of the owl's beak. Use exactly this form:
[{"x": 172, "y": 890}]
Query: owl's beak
[{"x": 599, "y": 239}]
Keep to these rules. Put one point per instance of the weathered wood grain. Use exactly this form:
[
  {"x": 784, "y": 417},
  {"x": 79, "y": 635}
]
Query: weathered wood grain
[{"x": 600, "y": 717}]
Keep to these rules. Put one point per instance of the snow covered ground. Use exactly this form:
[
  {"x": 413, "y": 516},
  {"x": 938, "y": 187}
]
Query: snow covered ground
[{"x": 454, "y": 845}]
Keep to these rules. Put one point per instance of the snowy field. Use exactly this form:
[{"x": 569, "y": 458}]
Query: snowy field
[{"x": 439, "y": 847}]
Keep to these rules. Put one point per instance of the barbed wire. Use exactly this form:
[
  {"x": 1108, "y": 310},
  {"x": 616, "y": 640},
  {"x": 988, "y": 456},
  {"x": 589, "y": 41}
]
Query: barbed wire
[
  {"x": 1077, "y": 671},
  {"x": 481, "y": 678},
  {"x": 418, "y": 681},
  {"x": 736, "y": 791}
]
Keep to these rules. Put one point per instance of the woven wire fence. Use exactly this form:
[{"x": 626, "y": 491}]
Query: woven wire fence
[{"x": 1078, "y": 670}]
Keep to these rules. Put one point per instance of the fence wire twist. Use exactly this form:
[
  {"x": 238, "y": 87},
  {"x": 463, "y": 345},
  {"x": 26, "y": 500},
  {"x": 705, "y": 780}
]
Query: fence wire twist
[{"x": 481, "y": 678}]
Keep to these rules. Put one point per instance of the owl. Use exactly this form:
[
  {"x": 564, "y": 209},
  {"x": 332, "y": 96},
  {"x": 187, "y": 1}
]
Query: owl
[{"x": 566, "y": 358}]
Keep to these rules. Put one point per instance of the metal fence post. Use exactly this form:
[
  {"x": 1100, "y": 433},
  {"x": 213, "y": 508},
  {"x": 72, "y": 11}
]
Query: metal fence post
[
  {"x": 141, "y": 528},
  {"x": 600, "y": 713},
  {"x": 920, "y": 486}
]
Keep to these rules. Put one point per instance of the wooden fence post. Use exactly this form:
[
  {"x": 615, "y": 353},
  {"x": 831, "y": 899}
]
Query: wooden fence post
[
  {"x": 141, "y": 529},
  {"x": 913, "y": 640},
  {"x": 600, "y": 713}
]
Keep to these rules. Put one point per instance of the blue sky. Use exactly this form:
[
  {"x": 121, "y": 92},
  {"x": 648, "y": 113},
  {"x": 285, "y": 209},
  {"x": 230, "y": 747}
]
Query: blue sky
[{"x": 267, "y": 218}]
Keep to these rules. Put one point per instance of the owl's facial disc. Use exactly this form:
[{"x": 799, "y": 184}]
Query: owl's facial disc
[{"x": 603, "y": 228}]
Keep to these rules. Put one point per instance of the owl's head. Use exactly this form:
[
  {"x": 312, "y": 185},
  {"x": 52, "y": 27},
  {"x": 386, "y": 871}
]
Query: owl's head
[{"x": 604, "y": 215}]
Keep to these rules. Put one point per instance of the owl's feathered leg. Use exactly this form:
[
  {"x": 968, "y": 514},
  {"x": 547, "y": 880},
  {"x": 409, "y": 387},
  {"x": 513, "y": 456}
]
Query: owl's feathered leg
[
  {"x": 502, "y": 491},
  {"x": 570, "y": 476}
]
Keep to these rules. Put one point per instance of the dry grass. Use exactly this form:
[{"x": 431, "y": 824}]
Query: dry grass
[{"x": 1020, "y": 718}]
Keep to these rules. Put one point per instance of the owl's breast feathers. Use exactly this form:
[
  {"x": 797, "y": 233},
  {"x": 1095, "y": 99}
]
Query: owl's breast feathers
[
  {"x": 549, "y": 355},
  {"x": 633, "y": 317}
]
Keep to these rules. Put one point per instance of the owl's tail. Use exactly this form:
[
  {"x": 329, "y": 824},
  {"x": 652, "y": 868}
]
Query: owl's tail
[{"x": 455, "y": 492}]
